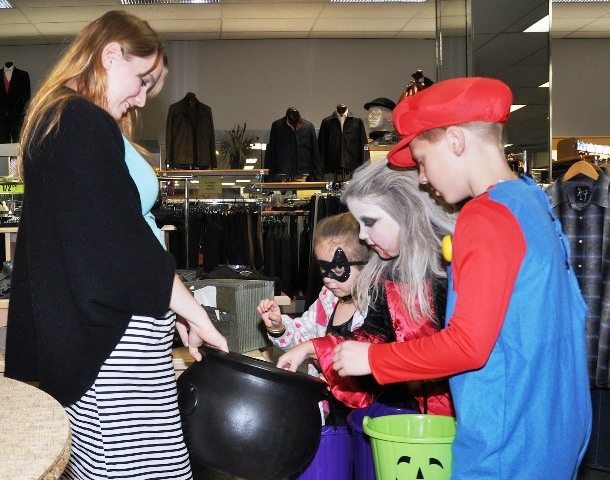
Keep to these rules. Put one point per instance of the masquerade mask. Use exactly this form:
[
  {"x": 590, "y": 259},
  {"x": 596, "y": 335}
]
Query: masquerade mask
[{"x": 339, "y": 269}]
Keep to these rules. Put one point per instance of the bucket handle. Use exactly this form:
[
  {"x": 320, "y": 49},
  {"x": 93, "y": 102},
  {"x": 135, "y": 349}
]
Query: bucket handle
[{"x": 379, "y": 395}]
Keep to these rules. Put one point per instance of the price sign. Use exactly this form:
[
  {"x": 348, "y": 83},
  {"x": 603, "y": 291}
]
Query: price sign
[
  {"x": 210, "y": 186},
  {"x": 11, "y": 188}
]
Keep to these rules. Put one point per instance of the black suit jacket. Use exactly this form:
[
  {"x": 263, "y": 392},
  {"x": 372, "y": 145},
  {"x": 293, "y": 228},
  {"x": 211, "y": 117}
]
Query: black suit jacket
[{"x": 13, "y": 102}]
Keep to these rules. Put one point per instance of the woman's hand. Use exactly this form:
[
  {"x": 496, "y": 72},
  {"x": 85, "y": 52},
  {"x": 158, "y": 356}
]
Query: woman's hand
[
  {"x": 194, "y": 327},
  {"x": 293, "y": 358},
  {"x": 195, "y": 334},
  {"x": 270, "y": 314},
  {"x": 351, "y": 358}
]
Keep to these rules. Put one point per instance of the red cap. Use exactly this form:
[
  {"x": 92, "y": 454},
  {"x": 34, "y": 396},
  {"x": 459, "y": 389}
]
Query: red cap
[{"x": 450, "y": 102}]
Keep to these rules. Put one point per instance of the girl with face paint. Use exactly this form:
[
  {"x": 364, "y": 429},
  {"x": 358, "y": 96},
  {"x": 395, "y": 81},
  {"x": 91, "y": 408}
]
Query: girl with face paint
[{"x": 402, "y": 288}]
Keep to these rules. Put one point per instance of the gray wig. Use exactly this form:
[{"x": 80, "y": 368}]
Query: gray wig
[{"x": 423, "y": 222}]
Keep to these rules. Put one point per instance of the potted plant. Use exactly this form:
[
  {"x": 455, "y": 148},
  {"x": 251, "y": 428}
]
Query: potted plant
[{"x": 235, "y": 146}]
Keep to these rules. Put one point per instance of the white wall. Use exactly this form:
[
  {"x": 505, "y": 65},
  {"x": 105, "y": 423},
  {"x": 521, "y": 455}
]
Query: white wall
[{"x": 255, "y": 81}]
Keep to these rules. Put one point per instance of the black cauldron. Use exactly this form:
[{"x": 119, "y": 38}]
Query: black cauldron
[{"x": 248, "y": 418}]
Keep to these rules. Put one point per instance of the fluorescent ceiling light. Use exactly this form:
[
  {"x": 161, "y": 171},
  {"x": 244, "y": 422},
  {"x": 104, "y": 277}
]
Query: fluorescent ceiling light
[
  {"x": 5, "y": 4},
  {"x": 163, "y": 2},
  {"x": 249, "y": 167},
  {"x": 544, "y": 85},
  {"x": 251, "y": 160},
  {"x": 541, "y": 25},
  {"x": 242, "y": 181},
  {"x": 378, "y": 1},
  {"x": 516, "y": 107}
]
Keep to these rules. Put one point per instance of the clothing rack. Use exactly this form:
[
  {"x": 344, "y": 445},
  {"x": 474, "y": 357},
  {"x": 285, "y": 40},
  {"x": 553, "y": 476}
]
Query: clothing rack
[{"x": 187, "y": 176}]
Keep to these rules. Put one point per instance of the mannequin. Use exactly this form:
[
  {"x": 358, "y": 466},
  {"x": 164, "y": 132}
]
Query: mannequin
[
  {"x": 14, "y": 95},
  {"x": 292, "y": 151},
  {"x": 380, "y": 118},
  {"x": 189, "y": 136},
  {"x": 293, "y": 116},
  {"x": 341, "y": 140}
]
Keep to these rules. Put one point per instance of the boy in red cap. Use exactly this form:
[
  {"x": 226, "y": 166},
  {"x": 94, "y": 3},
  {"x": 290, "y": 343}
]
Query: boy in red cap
[{"x": 514, "y": 342}]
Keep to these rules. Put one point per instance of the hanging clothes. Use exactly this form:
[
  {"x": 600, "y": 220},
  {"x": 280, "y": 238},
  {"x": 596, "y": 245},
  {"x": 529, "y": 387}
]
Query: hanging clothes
[
  {"x": 581, "y": 204},
  {"x": 15, "y": 93},
  {"x": 342, "y": 144},
  {"x": 189, "y": 135}
]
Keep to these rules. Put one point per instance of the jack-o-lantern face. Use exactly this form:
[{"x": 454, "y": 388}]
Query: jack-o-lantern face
[{"x": 432, "y": 463}]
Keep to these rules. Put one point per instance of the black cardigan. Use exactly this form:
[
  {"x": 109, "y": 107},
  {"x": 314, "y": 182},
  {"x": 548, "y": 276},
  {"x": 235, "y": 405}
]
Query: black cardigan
[{"x": 85, "y": 259}]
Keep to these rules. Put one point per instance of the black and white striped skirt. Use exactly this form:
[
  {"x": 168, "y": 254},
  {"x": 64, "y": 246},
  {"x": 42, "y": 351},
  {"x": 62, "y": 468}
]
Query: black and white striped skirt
[{"x": 127, "y": 426}]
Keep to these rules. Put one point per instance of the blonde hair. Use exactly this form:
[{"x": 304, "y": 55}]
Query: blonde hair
[
  {"x": 343, "y": 230},
  {"x": 81, "y": 64},
  {"x": 423, "y": 222}
]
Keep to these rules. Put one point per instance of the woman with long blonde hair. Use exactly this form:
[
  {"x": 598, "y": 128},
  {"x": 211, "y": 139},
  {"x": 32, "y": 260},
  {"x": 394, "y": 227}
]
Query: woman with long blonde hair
[{"x": 94, "y": 293}]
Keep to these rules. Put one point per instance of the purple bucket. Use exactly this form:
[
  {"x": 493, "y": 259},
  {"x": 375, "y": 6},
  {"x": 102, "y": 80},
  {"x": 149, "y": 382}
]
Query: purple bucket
[
  {"x": 334, "y": 458},
  {"x": 364, "y": 468}
]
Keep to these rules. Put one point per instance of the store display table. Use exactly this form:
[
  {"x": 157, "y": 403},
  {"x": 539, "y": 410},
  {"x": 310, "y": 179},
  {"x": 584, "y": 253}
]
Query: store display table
[{"x": 34, "y": 433}]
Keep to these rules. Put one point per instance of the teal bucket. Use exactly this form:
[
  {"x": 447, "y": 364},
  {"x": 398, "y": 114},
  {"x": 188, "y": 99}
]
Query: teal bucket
[{"x": 411, "y": 446}]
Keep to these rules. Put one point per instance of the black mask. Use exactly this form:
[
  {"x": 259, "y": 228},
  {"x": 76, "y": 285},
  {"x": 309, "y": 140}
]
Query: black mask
[{"x": 339, "y": 269}]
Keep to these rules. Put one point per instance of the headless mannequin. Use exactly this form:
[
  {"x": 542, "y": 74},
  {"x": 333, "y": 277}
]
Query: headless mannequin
[
  {"x": 8, "y": 70},
  {"x": 191, "y": 99},
  {"x": 293, "y": 116}
]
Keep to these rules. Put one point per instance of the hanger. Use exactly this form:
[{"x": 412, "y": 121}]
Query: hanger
[{"x": 584, "y": 167}]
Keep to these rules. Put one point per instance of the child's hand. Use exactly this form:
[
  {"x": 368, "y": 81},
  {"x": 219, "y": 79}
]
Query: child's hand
[
  {"x": 270, "y": 314},
  {"x": 293, "y": 358},
  {"x": 352, "y": 358}
]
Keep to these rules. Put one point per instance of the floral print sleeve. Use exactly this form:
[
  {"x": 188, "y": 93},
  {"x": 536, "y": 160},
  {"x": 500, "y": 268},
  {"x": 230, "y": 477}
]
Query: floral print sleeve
[{"x": 311, "y": 324}]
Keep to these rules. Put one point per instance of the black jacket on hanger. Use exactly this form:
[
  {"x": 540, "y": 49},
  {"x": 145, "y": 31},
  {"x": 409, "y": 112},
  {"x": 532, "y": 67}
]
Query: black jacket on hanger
[
  {"x": 189, "y": 135},
  {"x": 342, "y": 149},
  {"x": 13, "y": 104}
]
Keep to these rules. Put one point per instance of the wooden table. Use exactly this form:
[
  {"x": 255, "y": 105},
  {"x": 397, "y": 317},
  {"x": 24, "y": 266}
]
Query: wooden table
[{"x": 34, "y": 433}]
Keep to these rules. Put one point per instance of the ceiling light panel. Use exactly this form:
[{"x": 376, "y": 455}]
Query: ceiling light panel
[
  {"x": 378, "y": 1},
  {"x": 5, "y": 4},
  {"x": 163, "y": 2}
]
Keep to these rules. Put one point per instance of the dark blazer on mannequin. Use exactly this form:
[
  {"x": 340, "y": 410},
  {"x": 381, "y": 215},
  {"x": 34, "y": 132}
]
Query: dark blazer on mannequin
[
  {"x": 342, "y": 149},
  {"x": 14, "y": 102},
  {"x": 189, "y": 134},
  {"x": 293, "y": 150}
]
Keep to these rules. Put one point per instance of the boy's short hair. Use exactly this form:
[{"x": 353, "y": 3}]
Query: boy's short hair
[
  {"x": 450, "y": 102},
  {"x": 492, "y": 132}
]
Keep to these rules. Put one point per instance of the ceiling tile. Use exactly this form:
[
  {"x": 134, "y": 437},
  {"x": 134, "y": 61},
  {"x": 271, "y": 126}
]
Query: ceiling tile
[
  {"x": 371, "y": 10},
  {"x": 12, "y": 16},
  {"x": 270, "y": 10},
  {"x": 60, "y": 28},
  {"x": 185, "y": 26},
  {"x": 176, "y": 12},
  {"x": 359, "y": 24},
  {"x": 269, "y": 25}
]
